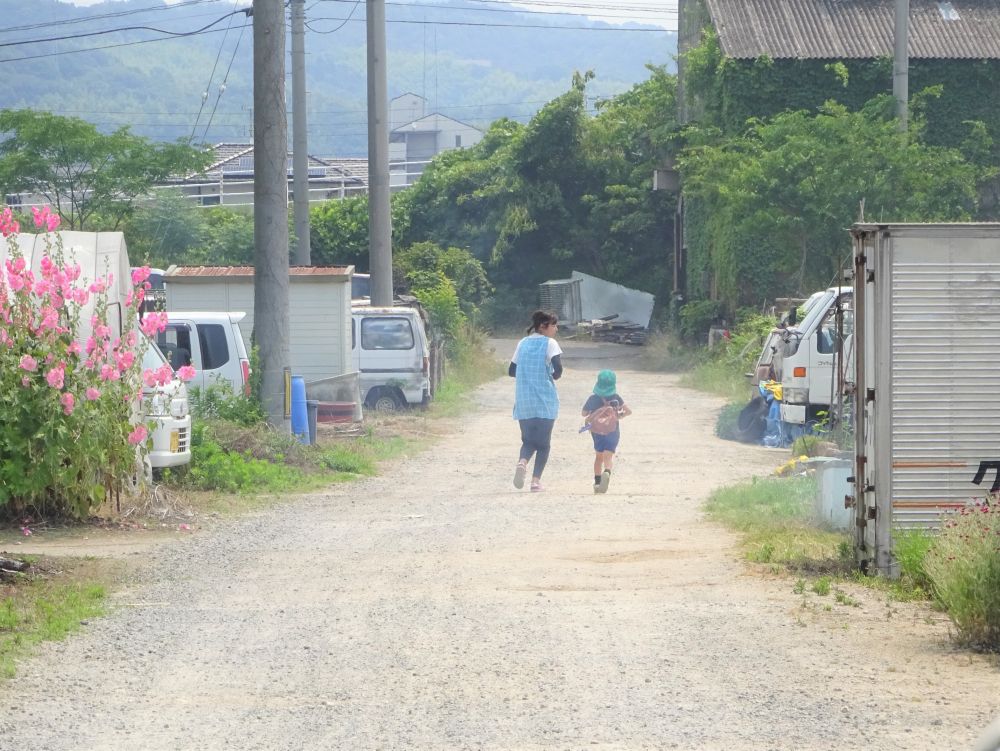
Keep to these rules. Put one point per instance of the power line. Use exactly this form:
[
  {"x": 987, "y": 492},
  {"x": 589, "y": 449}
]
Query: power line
[
  {"x": 123, "y": 28},
  {"x": 99, "y": 16},
  {"x": 501, "y": 25},
  {"x": 525, "y": 11},
  {"x": 222, "y": 86},
  {"x": 112, "y": 46},
  {"x": 211, "y": 77},
  {"x": 338, "y": 28}
]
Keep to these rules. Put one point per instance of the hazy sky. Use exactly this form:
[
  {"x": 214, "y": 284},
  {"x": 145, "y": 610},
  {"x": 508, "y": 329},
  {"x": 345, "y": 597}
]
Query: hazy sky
[{"x": 658, "y": 12}]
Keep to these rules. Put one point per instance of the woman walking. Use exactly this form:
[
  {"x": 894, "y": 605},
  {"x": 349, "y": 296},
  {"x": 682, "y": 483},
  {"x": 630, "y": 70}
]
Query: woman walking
[{"x": 536, "y": 366}]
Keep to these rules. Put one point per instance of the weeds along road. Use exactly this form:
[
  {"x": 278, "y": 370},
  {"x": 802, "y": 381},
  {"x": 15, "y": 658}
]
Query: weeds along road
[{"x": 436, "y": 607}]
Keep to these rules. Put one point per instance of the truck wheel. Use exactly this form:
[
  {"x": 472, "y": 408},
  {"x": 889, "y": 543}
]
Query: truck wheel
[
  {"x": 752, "y": 420},
  {"x": 385, "y": 400}
]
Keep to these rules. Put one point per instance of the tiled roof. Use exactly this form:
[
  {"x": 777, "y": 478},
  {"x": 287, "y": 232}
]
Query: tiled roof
[
  {"x": 235, "y": 161},
  {"x": 832, "y": 29}
]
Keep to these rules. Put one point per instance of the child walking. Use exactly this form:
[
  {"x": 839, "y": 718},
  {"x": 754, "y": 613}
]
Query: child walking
[{"x": 603, "y": 410}]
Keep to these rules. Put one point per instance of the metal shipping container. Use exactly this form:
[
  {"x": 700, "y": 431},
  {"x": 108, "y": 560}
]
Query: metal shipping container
[{"x": 927, "y": 377}]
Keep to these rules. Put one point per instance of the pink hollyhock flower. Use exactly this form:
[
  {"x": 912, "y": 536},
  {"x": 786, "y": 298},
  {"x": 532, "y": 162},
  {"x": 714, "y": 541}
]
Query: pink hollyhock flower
[
  {"x": 28, "y": 363},
  {"x": 124, "y": 359},
  {"x": 102, "y": 331},
  {"x": 68, "y": 402},
  {"x": 138, "y": 435},
  {"x": 149, "y": 377},
  {"x": 16, "y": 282},
  {"x": 25, "y": 381},
  {"x": 109, "y": 373},
  {"x": 99, "y": 285},
  {"x": 55, "y": 377},
  {"x": 91, "y": 345},
  {"x": 45, "y": 218},
  {"x": 152, "y": 323},
  {"x": 8, "y": 225},
  {"x": 139, "y": 275},
  {"x": 164, "y": 374},
  {"x": 130, "y": 339},
  {"x": 74, "y": 348},
  {"x": 185, "y": 373},
  {"x": 93, "y": 394}
]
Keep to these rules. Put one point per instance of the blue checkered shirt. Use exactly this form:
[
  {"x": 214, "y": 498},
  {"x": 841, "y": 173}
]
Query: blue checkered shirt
[{"x": 535, "y": 392}]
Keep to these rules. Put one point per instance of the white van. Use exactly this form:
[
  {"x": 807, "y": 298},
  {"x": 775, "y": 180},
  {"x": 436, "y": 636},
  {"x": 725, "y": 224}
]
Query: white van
[
  {"x": 212, "y": 344},
  {"x": 390, "y": 351}
]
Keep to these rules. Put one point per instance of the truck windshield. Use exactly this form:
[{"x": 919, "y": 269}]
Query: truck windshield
[{"x": 816, "y": 313}]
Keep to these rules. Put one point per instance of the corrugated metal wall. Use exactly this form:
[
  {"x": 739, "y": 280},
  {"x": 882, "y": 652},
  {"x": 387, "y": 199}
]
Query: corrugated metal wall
[{"x": 945, "y": 368}]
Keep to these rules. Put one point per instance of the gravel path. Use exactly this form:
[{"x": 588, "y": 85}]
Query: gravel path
[{"x": 435, "y": 607}]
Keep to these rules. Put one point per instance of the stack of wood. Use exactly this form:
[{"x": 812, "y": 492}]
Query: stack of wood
[
  {"x": 613, "y": 329},
  {"x": 10, "y": 567}
]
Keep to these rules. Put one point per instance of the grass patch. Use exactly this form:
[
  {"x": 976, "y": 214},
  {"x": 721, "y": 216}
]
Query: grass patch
[
  {"x": 774, "y": 517},
  {"x": 720, "y": 378},
  {"x": 665, "y": 353},
  {"x": 471, "y": 363},
  {"x": 49, "y": 603}
]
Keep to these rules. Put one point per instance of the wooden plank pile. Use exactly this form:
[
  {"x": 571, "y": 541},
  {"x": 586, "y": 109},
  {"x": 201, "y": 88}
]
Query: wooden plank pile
[{"x": 615, "y": 330}]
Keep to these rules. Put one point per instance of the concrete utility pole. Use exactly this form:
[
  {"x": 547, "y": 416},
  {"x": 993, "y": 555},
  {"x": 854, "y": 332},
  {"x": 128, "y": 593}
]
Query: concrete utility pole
[
  {"x": 270, "y": 196},
  {"x": 379, "y": 218},
  {"x": 300, "y": 149},
  {"x": 901, "y": 62}
]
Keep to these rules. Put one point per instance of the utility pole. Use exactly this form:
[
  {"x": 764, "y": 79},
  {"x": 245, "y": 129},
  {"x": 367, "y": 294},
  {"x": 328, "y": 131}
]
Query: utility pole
[
  {"x": 270, "y": 196},
  {"x": 379, "y": 218},
  {"x": 901, "y": 62},
  {"x": 300, "y": 149}
]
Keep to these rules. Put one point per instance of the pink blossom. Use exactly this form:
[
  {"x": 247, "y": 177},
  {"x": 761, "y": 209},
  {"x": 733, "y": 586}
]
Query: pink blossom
[
  {"x": 130, "y": 339},
  {"x": 91, "y": 345},
  {"x": 45, "y": 218},
  {"x": 164, "y": 374},
  {"x": 29, "y": 363},
  {"x": 102, "y": 331},
  {"x": 152, "y": 323},
  {"x": 185, "y": 373},
  {"x": 99, "y": 285},
  {"x": 124, "y": 359},
  {"x": 16, "y": 282},
  {"x": 68, "y": 402},
  {"x": 138, "y": 435},
  {"x": 93, "y": 394},
  {"x": 139, "y": 275},
  {"x": 74, "y": 348},
  {"x": 25, "y": 381},
  {"x": 149, "y": 377},
  {"x": 8, "y": 225},
  {"x": 109, "y": 373},
  {"x": 55, "y": 377}
]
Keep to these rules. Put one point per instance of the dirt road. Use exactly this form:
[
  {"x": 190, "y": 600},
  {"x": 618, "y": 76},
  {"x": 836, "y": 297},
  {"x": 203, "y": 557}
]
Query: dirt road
[{"x": 436, "y": 607}]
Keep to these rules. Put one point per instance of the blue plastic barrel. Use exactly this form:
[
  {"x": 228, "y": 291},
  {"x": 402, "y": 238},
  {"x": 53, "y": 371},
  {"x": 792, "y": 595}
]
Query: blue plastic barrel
[{"x": 300, "y": 415}]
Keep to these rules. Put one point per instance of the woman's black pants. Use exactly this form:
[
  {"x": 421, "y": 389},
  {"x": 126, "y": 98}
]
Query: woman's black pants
[{"x": 536, "y": 438}]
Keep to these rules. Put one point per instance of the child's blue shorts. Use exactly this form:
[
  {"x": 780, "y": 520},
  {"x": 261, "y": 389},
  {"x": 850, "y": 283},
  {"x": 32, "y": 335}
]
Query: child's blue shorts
[{"x": 607, "y": 442}]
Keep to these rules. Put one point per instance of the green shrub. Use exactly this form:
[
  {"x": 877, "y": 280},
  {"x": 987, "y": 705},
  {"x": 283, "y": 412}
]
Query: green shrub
[
  {"x": 726, "y": 425},
  {"x": 806, "y": 445},
  {"x": 219, "y": 402},
  {"x": 697, "y": 317},
  {"x": 963, "y": 566},
  {"x": 213, "y": 468},
  {"x": 910, "y": 547}
]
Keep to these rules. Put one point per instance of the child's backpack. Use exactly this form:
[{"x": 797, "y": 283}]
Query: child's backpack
[{"x": 605, "y": 419}]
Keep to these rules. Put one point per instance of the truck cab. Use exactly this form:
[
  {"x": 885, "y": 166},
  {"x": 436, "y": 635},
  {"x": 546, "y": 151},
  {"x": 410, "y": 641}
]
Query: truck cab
[
  {"x": 211, "y": 342},
  {"x": 806, "y": 359},
  {"x": 391, "y": 353}
]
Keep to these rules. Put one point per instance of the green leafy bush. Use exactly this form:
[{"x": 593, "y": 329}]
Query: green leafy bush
[
  {"x": 910, "y": 548},
  {"x": 963, "y": 566},
  {"x": 219, "y": 402},
  {"x": 697, "y": 317},
  {"x": 726, "y": 425}
]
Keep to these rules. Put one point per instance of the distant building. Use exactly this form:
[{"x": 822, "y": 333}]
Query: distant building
[
  {"x": 416, "y": 137},
  {"x": 228, "y": 181}
]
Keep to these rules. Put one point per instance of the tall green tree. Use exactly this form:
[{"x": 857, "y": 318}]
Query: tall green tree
[
  {"x": 774, "y": 204},
  {"x": 90, "y": 178}
]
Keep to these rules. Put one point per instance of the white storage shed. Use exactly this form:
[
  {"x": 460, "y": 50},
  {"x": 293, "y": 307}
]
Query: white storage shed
[{"x": 319, "y": 309}]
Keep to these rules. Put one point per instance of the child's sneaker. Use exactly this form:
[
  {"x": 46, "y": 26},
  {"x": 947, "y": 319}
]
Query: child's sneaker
[
  {"x": 605, "y": 481},
  {"x": 536, "y": 487},
  {"x": 520, "y": 472}
]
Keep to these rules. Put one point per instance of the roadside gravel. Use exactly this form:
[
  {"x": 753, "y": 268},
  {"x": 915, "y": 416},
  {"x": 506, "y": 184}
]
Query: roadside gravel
[{"x": 436, "y": 607}]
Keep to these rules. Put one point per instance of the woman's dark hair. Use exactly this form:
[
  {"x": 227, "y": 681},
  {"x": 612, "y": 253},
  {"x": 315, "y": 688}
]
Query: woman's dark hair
[{"x": 541, "y": 318}]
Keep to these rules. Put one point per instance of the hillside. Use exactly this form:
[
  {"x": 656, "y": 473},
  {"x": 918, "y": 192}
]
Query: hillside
[{"x": 464, "y": 56}]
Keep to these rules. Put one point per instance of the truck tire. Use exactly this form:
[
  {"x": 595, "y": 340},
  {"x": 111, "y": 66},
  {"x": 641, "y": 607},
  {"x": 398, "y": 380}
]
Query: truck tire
[
  {"x": 385, "y": 400},
  {"x": 752, "y": 421}
]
